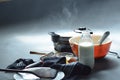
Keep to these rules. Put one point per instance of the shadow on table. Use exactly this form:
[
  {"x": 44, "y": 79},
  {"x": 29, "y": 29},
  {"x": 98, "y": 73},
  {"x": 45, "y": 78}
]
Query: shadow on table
[
  {"x": 100, "y": 65},
  {"x": 104, "y": 64}
]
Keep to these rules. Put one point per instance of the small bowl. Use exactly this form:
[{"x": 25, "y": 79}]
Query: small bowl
[{"x": 100, "y": 51}]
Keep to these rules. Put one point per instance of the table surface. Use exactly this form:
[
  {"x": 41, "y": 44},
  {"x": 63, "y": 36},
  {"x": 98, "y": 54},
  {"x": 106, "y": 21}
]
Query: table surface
[{"x": 15, "y": 45}]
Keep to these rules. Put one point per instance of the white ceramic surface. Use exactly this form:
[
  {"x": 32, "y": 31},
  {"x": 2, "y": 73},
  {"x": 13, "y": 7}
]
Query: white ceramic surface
[{"x": 24, "y": 76}]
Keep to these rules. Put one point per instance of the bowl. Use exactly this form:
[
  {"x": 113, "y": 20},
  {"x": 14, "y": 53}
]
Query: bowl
[{"x": 100, "y": 51}]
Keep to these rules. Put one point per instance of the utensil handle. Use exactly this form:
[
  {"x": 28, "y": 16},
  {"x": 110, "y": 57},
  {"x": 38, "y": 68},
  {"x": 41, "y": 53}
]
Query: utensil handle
[
  {"x": 14, "y": 71},
  {"x": 105, "y": 35},
  {"x": 33, "y": 52}
]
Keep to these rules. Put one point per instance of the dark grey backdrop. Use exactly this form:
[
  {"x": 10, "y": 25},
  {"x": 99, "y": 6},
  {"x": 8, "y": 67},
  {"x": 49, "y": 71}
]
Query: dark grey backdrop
[{"x": 54, "y": 14}]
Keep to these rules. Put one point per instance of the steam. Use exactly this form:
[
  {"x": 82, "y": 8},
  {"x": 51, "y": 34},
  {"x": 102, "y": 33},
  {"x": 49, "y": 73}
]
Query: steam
[
  {"x": 88, "y": 13},
  {"x": 77, "y": 13}
]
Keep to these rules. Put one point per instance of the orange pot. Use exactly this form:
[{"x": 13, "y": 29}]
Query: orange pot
[{"x": 100, "y": 51}]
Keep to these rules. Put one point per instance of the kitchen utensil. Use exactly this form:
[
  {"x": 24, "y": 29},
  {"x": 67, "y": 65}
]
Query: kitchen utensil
[
  {"x": 41, "y": 72},
  {"x": 61, "y": 43},
  {"x": 105, "y": 35}
]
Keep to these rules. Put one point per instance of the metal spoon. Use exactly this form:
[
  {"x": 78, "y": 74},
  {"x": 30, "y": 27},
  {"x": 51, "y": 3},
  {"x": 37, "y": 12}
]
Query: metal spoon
[
  {"x": 105, "y": 35},
  {"x": 41, "y": 72}
]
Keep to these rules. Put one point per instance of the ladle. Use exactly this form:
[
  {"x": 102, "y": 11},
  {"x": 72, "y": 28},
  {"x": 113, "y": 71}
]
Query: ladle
[
  {"x": 41, "y": 72},
  {"x": 105, "y": 35}
]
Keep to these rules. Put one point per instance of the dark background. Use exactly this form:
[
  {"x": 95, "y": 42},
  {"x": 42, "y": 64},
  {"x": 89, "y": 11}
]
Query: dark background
[{"x": 59, "y": 14}]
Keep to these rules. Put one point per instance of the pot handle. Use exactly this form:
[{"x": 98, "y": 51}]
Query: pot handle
[{"x": 115, "y": 54}]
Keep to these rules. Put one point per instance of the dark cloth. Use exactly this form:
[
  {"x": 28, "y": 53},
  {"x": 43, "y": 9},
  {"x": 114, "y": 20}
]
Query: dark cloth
[
  {"x": 48, "y": 61},
  {"x": 20, "y": 63},
  {"x": 72, "y": 69},
  {"x": 59, "y": 63}
]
